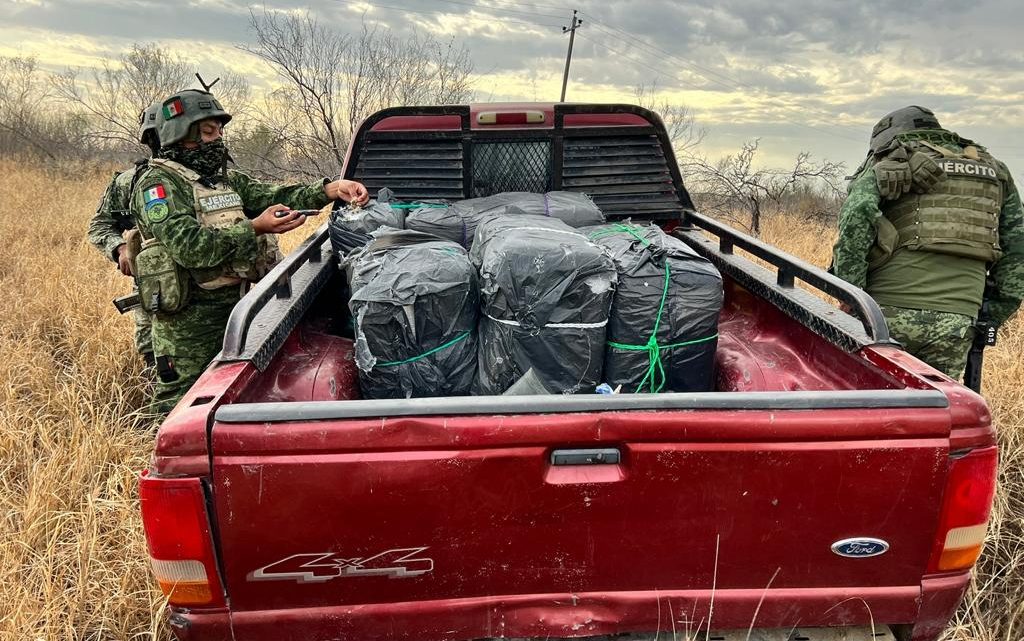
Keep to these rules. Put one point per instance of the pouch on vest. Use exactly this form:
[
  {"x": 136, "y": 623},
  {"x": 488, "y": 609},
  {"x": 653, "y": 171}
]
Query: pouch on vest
[
  {"x": 163, "y": 284},
  {"x": 268, "y": 255},
  {"x": 886, "y": 240}
]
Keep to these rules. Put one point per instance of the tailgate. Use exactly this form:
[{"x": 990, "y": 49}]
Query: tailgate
[{"x": 739, "y": 495}]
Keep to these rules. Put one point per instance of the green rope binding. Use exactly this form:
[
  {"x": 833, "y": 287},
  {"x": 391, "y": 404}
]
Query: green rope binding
[
  {"x": 458, "y": 338},
  {"x": 417, "y": 205},
  {"x": 655, "y": 377}
]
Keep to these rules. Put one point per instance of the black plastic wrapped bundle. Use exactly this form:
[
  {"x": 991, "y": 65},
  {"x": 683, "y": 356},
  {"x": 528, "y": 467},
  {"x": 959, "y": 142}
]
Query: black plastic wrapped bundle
[
  {"x": 350, "y": 227},
  {"x": 545, "y": 292},
  {"x": 663, "y": 328},
  {"x": 414, "y": 305},
  {"x": 458, "y": 222}
]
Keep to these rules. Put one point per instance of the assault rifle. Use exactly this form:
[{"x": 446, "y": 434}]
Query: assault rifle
[
  {"x": 984, "y": 336},
  {"x": 127, "y": 302}
]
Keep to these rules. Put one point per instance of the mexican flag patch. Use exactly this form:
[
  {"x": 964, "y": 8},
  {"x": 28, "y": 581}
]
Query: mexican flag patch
[
  {"x": 155, "y": 193},
  {"x": 173, "y": 108}
]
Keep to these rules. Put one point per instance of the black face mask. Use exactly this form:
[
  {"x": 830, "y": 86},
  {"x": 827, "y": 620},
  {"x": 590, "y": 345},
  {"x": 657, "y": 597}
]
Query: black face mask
[{"x": 209, "y": 159}]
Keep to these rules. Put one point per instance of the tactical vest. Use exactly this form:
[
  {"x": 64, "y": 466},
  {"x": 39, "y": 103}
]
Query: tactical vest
[
  {"x": 960, "y": 216},
  {"x": 220, "y": 207}
]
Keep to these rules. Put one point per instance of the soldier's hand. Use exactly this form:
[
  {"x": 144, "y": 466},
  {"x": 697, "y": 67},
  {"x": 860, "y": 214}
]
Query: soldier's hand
[
  {"x": 123, "y": 263},
  {"x": 269, "y": 223},
  {"x": 348, "y": 190}
]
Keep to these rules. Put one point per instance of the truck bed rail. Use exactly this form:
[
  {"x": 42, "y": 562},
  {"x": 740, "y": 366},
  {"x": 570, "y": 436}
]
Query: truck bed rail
[
  {"x": 780, "y": 288},
  {"x": 262, "y": 320}
]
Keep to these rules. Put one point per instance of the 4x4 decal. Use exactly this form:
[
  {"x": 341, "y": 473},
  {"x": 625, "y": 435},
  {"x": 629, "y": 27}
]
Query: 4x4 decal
[{"x": 318, "y": 567}]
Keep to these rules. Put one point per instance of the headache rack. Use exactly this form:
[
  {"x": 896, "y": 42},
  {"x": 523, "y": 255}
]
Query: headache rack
[{"x": 629, "y": 171}]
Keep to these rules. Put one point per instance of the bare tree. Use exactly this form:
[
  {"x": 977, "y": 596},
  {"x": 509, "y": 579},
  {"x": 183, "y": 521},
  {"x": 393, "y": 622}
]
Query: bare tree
[
  {"x": 111, "y": 98},
  {"x": 309, "y": 58},
  {"x": 735, "y": 185},
  {"x": 382, "y": 70},
  {"x": 31, "y": 120},
  {"x": 683, "y": 131},
  {"x": 116, "y": 94},
  {"x": 235, "y": 94},
  {"x": 336, "y": 79},
  {"x": 277, "y": 143}
]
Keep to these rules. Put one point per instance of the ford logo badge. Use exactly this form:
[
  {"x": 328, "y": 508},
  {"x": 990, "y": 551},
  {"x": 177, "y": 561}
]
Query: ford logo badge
[{"x": 860, "y": 548}]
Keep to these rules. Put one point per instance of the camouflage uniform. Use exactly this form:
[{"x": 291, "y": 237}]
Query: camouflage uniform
[
  {"x": 936, "y": 328},
  {"x": 106, "y": 233},
  {"x": 186, "y": 341},
  {"x": 940, "y": 339}
]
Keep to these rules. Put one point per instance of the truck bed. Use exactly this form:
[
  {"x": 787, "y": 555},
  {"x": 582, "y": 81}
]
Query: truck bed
[{"x": 809, "y": 490}]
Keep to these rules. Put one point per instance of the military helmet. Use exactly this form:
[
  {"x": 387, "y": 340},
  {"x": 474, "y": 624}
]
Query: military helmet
[
  {"x": 149, "y": 125},
  {"x": 899, "y": 122},
  {"x": 182, "y": 110}
]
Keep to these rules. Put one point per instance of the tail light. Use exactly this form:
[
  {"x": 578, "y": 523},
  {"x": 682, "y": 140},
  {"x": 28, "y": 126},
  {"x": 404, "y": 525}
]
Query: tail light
[
  {"x": 966, "y": 505},
  {"x": 178, "y": 536}
]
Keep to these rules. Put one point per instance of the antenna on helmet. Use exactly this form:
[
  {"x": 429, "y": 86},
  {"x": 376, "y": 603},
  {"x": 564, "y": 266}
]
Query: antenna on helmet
[{"x": 206, "y": 87}]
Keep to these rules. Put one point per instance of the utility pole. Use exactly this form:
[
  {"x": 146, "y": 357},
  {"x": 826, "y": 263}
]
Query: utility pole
[{"x": 576, "y": 22}]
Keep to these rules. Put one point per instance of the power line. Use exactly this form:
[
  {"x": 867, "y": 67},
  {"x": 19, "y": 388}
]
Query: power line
[
  {"x": 486, "y": 7},
  {"x": 729, "y": 82},
  {"x": 633, "y": 41},
  {"x": 639, "y": 62},
  {"x": 676, "y": 78},
  {"x": 541, "y": 6},
  {"x": 437, "y": 12}
]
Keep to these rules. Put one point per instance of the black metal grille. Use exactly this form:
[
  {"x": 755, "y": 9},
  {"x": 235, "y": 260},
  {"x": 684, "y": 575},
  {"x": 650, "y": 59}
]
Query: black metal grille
[
  {"x": 520, "y": 165},
  {"x": 626, "y": 175},
  {"x": 624, "y": 169},
  {"x": 412, "y": 167}
]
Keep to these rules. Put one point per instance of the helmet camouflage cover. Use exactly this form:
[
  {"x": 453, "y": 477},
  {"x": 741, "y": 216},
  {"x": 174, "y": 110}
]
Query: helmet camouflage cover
[
  {"x": 149, "y": 123},
  {"x": 899, "y": 122},
  {"x": 182, "y": 110}
]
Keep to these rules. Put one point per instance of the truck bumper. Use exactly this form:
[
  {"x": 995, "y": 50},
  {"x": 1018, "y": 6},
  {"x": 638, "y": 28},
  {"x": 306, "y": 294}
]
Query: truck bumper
[
  {"x": 940, "y": 597},
  {"x": 830, "y": 615}
]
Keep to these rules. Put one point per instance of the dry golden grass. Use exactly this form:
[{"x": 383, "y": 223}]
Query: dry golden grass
[{"x": 72, "y": 555}]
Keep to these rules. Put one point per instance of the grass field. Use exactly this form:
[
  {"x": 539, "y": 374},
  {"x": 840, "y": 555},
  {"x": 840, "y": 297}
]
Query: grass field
[{"x": 72, "y": 555}]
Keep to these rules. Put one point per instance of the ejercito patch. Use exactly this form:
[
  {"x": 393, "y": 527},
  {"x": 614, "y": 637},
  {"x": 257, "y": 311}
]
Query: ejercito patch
[
  {"x": 217, "y": 202},
  {"x": 966, "y": 167}
]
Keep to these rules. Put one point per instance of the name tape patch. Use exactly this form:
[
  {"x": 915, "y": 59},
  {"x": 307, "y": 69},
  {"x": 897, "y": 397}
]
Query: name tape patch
[
  {"x": 220, "y": 201},
  {"x": 968, "y": 168}
]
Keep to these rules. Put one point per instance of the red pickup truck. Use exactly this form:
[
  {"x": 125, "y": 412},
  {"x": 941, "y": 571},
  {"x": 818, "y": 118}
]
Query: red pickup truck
[{"x": 831, "y": 487}]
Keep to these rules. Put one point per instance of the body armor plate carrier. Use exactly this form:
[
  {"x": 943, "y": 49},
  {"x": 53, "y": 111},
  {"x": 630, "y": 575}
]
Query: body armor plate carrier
[
  {"x": 220, "y": 207},
  {"x": 959, "y": 216}
]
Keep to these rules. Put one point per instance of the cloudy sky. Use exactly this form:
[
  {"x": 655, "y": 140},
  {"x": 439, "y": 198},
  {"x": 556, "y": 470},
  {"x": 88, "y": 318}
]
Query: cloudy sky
[{"x": 808, "y": 75}]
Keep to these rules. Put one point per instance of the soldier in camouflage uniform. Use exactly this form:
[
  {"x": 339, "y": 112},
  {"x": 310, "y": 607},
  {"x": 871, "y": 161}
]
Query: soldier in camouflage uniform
[
  {"x": 928, "y": 217},
  {"x": 207, "y": 234},
  {"x": 113, "y": 220}
]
